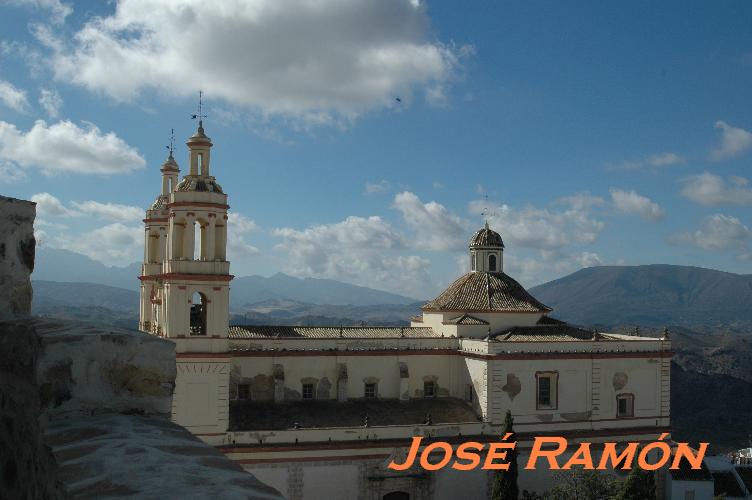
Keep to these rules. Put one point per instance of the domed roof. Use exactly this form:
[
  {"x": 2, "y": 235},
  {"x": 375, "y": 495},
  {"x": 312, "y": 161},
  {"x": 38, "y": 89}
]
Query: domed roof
[
  {"x": 486, "y": 237},
  {"x": 160, "y": 203},
  {"x": 198, "y": 183},
  {"x": 485, "y": 292},
  {"x": 170, "y": 164}
]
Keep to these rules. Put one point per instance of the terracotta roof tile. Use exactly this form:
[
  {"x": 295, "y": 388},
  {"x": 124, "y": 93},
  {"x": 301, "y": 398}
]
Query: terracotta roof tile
[
  {"x": 485, "y": 292},
  {"x": 328, "y": 332},
  {"x": 466, "y": 319}
]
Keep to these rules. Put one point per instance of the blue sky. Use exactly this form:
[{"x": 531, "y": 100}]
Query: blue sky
[{"x": 595, "y": 133}]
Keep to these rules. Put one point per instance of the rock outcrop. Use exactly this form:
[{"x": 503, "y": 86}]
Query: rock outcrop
[{"x": 17, "y": 246}]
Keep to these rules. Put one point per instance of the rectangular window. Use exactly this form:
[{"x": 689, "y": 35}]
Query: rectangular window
[
  {"x": 689, "y": 495},
  {"x": 308, "y": 392},
  {"x": 469, "y": 393},
  {"x": 429, "y": 389},
  {"x": 370, "y": 390},
  {"x": 244, "y": 391},
  {"x": 546, "y": 398},
  {"x": 624, "y": 405}
]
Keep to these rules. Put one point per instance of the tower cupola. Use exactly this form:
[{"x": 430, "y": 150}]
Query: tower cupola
[{"x": 486, "y": 251}]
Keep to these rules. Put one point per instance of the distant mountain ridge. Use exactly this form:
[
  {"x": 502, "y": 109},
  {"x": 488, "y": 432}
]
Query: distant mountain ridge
[
  {"x": 653, "y": 295},
  {"x": 70, "y": 267}
]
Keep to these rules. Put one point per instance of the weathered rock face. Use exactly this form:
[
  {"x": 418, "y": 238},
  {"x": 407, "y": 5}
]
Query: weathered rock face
[
  {"x": 145, "y": 457},
  {"x": 86, "y": 369},
  {"x": 17, "y": 247},
  {"x": 27, "y": 464}
]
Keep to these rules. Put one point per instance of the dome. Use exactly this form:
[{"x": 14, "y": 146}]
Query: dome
[
  {"x": 485, "y": 292},
  {"x": 170, "y": 164},
  {"x": 197, "y": 183},
  {"x": 486, "y": 237},
  {"x": 160, "y": 203}
]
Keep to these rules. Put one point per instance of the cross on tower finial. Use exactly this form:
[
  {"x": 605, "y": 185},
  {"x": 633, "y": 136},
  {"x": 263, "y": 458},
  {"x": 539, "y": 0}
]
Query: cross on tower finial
[
  {"x": 484, "y": 213},
  {"x": 200, "y": 115},
  {"x": 170, "y": 148}
]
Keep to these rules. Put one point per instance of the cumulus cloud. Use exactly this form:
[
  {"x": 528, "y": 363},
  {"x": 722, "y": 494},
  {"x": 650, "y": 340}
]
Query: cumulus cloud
[
  {"x": 113, "y": 244},
  {"x": 346, "y": 57},
  {"x": 541, "y": 228},
  {"x": 365, "y": 251},
  {"x": 66, "y": 147},
  {"x": 112, "y": 211},
  {"x": 51, "y": 102},
  {"x": 734, "y": 141},
  {"x": 238, "y": 226},
  {"x": 434, "y": 227},
  {"x": 711, "y": 190},
  {"x": 630, "y": 202},
  {"x": 655, "y": 161},
  {"x": 50, "y": 205},
  {"x": 716, "y": 232},
  {"x": 582, "y": 201},
  {"x": 13, "y": 97}
]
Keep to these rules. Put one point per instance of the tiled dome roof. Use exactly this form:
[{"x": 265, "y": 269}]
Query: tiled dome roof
[
  {"x": 195, "y": 183},
  {"x": 485, "y": 292},
  {"x": 486, "y": 237},
  {"x": 160, "y": 203}
]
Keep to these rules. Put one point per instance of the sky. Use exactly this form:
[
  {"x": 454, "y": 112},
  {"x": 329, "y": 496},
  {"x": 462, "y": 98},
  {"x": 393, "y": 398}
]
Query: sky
[{"x": 365, "y": 141}]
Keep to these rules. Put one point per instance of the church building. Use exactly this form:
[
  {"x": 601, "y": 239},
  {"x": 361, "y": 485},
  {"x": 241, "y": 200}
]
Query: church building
[{"x": 319, "y": 412}]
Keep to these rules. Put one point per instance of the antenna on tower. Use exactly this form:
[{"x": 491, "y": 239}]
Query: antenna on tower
[
  {"x": 170, "y": 148},
  {"x": 200, "y": 114}
]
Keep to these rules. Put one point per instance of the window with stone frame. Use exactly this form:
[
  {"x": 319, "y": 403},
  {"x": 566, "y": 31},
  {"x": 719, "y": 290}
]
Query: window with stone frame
[
  {"x": 309, "y": 391},
  {"x": 244, "y": 391},
  {"x": 429, "y": 389},
  {"x": 469, "y": 393},
  {"x": 492, "y": 263},
  {"x": 546, "y": 390},
  {"x": 624, "y": 405},
  {"x": 370, "y": 390}
]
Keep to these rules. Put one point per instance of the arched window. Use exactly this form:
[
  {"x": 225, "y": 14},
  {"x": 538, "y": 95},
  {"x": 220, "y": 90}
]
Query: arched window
[
  {"x": 472, "y": 263},
  {"x": 198, "y": 314},
  {"x": 492, "y": 263},
  {"x": 200, "y": 163}
]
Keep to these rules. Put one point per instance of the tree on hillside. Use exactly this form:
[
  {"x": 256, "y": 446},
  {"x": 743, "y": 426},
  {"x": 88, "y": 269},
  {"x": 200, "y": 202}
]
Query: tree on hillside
[
  {"x": 581, "y": 484},
  {"x": 505, "y": 481}
]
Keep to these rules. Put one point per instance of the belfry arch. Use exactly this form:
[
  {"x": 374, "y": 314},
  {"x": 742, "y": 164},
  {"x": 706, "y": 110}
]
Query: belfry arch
[{"x": 198, "y": 314}]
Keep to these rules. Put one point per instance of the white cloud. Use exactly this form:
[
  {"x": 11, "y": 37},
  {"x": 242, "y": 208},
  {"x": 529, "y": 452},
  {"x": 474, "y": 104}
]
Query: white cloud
[
  {"x": 10, "y": 173},
  {"x": 365, "y": 251},
  {"x": 434, "y": 227},
  {"x": 113, "y": 244},
  {"x": 112, "y": 211},
  {"x": 238, "y": 226},
  {"x": 734, "y": 141},
  {"x": 541, "y": 228},
  {"x": 346, "y": 56},
  {"x": 711, "y": 190},
  {"x": 377, "y": 187},
  {"x": 589, "y": 259},
  {"x": 717, "y": 232},
  {"x": 51, "y": 101},
  {"x": 65, "y": 147},
  {"x": 50, "y": 205},
  {"x": 582, "y": 201},
  {"x": 655, "y": 161},
  {"x": 58, "y": 10},
  {"x": 630, "y": 202},
  {"x": 13, "y": 97}
]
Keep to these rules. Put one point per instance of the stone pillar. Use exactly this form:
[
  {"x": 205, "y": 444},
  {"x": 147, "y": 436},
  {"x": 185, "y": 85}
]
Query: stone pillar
[
  {"x": 189, "y": 237},
  {"x": 209, "y": 232}
]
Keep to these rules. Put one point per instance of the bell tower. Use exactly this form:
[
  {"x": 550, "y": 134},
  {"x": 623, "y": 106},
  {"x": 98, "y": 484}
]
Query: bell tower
[{"x": 188, "y": 287}]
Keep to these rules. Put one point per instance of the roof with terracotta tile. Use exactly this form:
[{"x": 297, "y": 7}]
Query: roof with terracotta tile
[
  {"x": 328, "y": 332},
  {"x": 486, "y": 237},
  {"x": 485, "y": 292},
  {"x": 466, "y": 319}
]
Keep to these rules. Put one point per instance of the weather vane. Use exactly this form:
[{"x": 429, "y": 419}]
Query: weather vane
[
  {"x": 200, "y": 114},
  {"x": 172, "y": 141}
]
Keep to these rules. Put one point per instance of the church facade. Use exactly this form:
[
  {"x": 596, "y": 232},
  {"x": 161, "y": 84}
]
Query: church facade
[{"x": 318, "y": 412}]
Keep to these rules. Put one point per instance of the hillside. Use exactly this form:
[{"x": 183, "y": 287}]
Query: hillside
[{"x": 654, "y": 295}]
